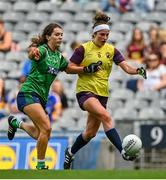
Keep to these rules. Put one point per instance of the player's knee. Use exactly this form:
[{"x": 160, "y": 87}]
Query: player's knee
[
  {"x": 105, "y": 117},
  {"x": 47, "y": 131}
]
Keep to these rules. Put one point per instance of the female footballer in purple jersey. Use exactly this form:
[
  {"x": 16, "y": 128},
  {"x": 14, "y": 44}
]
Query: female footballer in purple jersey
[
  {"x": 47, "y": 61},
  {"x": 92, "y": 90}
]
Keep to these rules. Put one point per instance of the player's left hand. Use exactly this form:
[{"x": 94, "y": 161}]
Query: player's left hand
[
  {"x": 93, "y": 67},
  {"x": 142, "y": 71}
]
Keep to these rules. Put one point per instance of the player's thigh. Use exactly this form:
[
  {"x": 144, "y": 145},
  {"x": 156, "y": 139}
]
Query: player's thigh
[
  {"x": 93, "y": 106},
  {"x": 37, "y": 114}
]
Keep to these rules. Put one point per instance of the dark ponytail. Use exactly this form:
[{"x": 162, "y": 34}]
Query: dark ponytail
[{"x": 101, "y": 18}]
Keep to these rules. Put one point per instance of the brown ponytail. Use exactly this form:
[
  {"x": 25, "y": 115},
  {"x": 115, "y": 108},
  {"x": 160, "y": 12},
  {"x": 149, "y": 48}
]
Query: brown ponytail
[{"x": 101, "y": 18}]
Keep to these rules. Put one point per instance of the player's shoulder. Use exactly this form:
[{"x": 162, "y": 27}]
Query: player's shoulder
[
  {"x": 87, "y": 44},
  {"x": 43, "y": 47},
  {"x": 109, "y": 47}
]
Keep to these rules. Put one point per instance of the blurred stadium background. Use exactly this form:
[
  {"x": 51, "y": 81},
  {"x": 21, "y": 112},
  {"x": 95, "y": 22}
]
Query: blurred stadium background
[{"x": 140, "y": 113}]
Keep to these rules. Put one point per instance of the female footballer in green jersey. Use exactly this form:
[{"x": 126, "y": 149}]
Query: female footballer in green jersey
[
  {"x": 47, "y": 61},
  {"x": 92, "y": 91}
]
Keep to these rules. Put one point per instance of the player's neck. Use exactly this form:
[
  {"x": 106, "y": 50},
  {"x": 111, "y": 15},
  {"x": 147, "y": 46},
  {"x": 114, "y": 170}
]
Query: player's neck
[
  {"x": 52, "y": 47},
  {"x": 97, "y": 44}
]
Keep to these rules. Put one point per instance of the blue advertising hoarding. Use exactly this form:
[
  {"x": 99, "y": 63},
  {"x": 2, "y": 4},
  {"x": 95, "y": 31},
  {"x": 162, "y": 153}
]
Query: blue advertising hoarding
[{"x": 20, "y": 153}]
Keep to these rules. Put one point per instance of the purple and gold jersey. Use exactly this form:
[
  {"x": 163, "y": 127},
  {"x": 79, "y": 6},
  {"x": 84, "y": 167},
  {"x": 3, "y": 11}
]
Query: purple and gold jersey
[
  {"x": 44, "y": 71},
  {"x": 90, "y": 53}
]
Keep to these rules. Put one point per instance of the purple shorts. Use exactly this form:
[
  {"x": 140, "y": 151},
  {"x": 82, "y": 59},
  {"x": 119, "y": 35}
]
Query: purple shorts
[{"x": 83, "y": 96}]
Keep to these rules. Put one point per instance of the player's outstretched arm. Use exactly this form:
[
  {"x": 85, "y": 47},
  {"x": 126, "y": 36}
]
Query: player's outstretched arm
[{"x": 133, "y": 70}]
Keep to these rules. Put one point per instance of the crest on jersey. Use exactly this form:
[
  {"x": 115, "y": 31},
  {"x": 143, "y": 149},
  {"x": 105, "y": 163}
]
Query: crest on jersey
[{"x": 108, "y": 55}]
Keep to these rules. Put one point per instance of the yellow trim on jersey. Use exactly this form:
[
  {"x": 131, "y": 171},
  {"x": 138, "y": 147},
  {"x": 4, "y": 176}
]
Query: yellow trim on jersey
[{"x": 96, "y": 82}]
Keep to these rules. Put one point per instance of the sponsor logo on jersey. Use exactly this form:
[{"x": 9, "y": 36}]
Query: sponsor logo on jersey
[{"x": 52, "y": 70}]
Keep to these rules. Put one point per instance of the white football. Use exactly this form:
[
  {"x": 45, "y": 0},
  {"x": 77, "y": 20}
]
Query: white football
[{"x": 132, "y": 144}]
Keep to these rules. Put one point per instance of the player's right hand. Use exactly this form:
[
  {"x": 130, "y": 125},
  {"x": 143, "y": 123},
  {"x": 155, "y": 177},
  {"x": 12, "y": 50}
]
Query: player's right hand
[
  {"x": 33, "y": 53},
  {"x": 93, "y": 67}
]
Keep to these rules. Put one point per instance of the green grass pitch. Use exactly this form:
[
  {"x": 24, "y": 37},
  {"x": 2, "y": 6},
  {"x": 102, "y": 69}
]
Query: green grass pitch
[{"x": 83, "y": 174}]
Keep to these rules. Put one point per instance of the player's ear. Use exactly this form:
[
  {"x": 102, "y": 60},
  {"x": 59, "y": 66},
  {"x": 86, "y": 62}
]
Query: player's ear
[{"x": 47, "y": 37}]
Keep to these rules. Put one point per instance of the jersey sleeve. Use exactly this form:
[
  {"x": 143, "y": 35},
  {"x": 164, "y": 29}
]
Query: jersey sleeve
[
  {"x": 118, "y": 57},
  {"x": 78, "y": 55},
  {"x": 63, "y": 63}
]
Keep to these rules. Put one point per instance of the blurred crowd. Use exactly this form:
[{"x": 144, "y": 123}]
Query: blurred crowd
[
  {"x": 152, "y": 54},
  {"x": 123, "y": 6},
  {"x": 150, "y": 51}
]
